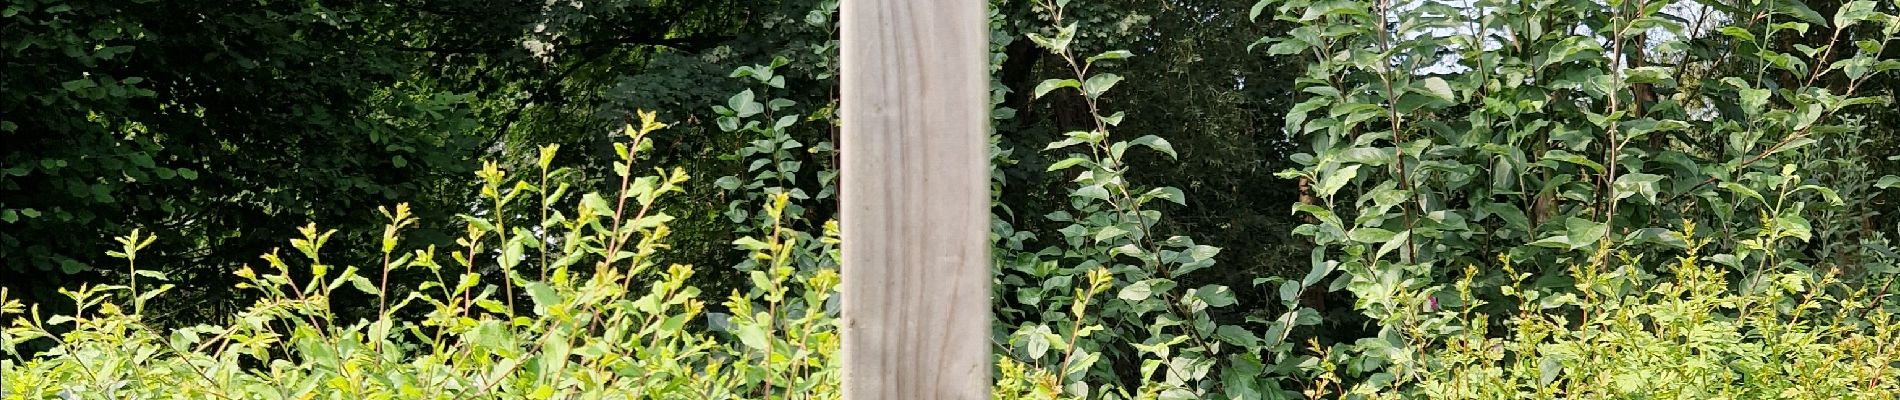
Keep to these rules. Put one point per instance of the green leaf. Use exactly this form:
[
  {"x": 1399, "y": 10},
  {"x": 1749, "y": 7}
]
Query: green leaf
[
  {"x": 1548, "y": 369},
  {"x": 1296, "y": 117},
  {"x": 1555, "y": 242},
  {"x": 1064, "y": 35},
  {"x": 71, "y": 267},
  {"x": 1323, "y": 9},
  {"x": 1649, "y": 74},
  {"x": 1854, "y": 11},
  {"x": 1513, "y": 216},
  {"x": 1236, "y": 335},
  {"x": 779, "y": 104},
  {"x": 78, "y": 84},
  {"x": 1655, "y": 236},
  {"x": 1794, "y": 225},
  {"x": 1036, "y": 343},
  {"x": 1331, "y": 183},
  {"x": 511, "y": 253},
  {"x": 1833, "y": 198},
  {"x": 1753, "y": 100},
  {"x": 1177, "y": 393},
  {"x": 184, "y": 338},
  {"x": 1137, "y": 291},
  {"x": 1168, "y": 193},
  {"x": 364, "y": 285},
  {"x": 1067, "y": 163},
  {"x": 1800, "y": 10},
  {"x": 1887, "y": 182},
  {"x": 1744, "y": 191},
  {"x": 596, "y": 204},
  {"x": 1393, "y": 244},
  {"x": 751, "y": 244},
  {"x": 1638, "y": 183},
  {"x": 1287, "y": 46},
  {"x": 1110, "y": 55},
  {"x": 1565, "y": 156},
  {"x": 1371, "y": 156},
  {"x": 1052, "y": 84},
  {"x": 1738, "y": 33},
  {"x": 752, "y": 336},
  {"x": 1096, "y": 85},
  {"x": 1156, "y": 143},
  {"x": 743, "y": 104},
  {"x": 1437, "y": 87},
  {"x": 1412, "y": 101},
  {"x": 1320, "y": 270},
  {"x": 1066, "y": 142},
  {"x": 1582, "y": 232},
  {"x": 152, "y": 274},
  {"x": 1092, "y": 192},
  {"x": 1370, "y": 235},
  {"x": 1216, "y": 295},
  {"x": 479, "y": 223}
]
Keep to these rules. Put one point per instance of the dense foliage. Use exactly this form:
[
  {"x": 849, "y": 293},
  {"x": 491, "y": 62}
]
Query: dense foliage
[
  {"x": 1489, "y": 199},
  {"x": 1453, "y": 139},
  {"x": 593, "y": 331},
  {"x": 225, "y": 132}
]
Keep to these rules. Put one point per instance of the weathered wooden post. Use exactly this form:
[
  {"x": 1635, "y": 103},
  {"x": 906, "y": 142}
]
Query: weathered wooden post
[{"x": 916, "y": 305}]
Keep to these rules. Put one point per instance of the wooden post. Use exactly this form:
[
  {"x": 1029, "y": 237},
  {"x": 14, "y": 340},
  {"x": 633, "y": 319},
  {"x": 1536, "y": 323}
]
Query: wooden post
[{"x": 915, "y": 200}]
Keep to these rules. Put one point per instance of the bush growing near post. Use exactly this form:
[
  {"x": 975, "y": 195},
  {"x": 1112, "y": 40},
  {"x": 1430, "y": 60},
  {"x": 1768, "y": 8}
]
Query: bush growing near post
[
  {"x": 1104, "y": 312},
  {"x": 607, "y": 322},
  {"x": 1671, "y": 329},
  {"x": 1582, "y": 141}
]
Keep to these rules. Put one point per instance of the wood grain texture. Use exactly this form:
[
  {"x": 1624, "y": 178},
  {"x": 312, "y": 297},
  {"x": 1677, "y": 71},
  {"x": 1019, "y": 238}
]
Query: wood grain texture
[{"x": 915, "y": 199}]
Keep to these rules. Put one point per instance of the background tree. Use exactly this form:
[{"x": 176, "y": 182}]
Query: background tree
[{"x": 220, "y": 125}]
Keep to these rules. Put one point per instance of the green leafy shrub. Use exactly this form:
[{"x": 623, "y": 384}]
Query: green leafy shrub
[
  {"x": 1578, "y": 139},
  {"x": 606, "y": 322},
  {"x": 1104, "y": 312},
  {"x": 1492, "y": 185},
  {"x": 1678, "y": 331}
]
